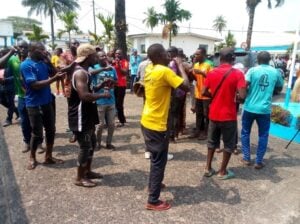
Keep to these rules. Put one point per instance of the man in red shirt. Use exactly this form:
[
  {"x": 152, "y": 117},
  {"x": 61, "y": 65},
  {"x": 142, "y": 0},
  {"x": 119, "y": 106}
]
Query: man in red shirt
[
  {"x": 121, "y": 65},
  {"x": 222, "y": 112}
]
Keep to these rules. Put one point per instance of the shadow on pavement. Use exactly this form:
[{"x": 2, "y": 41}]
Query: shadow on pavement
[
  {"x": 208, "y": 191},
  {"x": 135, "y": 178},
  {"x": 189, "y": 155},
  {"x": 11, "y": 205}
]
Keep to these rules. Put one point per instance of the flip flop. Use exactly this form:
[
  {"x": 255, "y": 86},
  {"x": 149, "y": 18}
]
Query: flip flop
[
  {"x": 53, "y": 160},
  {"x": 32, "y": 165},
  {"x": 85, "y": 183},
  {"x": 228, "y": 176},
  {"x": 209, "y": 173}
]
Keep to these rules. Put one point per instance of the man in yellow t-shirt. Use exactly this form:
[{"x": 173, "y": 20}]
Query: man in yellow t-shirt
[
  {"x": 200, "y": 69},
  {"x": 56, "y": 62},
  {"x": 159, "y": 81}
]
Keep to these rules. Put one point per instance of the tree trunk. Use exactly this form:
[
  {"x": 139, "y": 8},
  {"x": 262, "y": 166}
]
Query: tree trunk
[
  {"x": 120, "y": 26},
  {"x": 69, "y": 39},
  {"x": 52, "y": 29},
  {"x": 170, "y": 37},
  {"x": 250, "y": 27}
]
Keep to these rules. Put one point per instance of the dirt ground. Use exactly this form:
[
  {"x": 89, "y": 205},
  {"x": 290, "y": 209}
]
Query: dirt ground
[{"x": 48, "y": 195}]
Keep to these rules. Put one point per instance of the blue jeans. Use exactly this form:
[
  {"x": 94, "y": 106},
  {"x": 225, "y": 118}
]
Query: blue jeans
[
  {"x": 132, "y": 81},
  {"x": 25, "y": 123},
  {"x": 263, "y": 122}
]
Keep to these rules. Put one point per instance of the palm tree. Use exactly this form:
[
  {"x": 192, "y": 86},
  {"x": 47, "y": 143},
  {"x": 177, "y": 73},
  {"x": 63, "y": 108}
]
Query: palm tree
[
  {"x": 96, "y": 39},
  {"x": 220, "y": 24},
  {"x": 152, "y": 18},
  {"x": 230, "y": 40},
  {"x": 120, "y": 25},
  {"x": 169, "y": 18},
  {"x": 69, "y": 19},
  {"x": 50, "y": 8},
  {"x": 37, "y": 34},
  {"x": 251, "y": 6},
  {"x": 107, "y": 23}
]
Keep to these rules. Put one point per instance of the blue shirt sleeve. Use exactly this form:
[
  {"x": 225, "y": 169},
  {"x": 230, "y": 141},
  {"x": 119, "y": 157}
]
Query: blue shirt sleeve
[{"x": 28, "y": 73}]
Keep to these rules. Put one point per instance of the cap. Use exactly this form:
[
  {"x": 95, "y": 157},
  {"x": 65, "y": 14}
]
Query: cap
[
  {"x": 227, "y": 52},
  {"x": 83, "y": 51}
]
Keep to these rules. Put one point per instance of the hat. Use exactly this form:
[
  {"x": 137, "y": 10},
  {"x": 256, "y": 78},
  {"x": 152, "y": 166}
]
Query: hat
[
  {"x": 227, "y": 53},
  {"x": 83, "y": 51}
]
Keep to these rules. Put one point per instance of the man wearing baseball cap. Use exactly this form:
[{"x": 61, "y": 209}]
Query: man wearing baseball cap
[{"x": 82, "y": 114}]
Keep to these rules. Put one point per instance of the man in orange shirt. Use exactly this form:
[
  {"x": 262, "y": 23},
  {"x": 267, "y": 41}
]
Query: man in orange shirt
[{"x": 200, "y": 69}]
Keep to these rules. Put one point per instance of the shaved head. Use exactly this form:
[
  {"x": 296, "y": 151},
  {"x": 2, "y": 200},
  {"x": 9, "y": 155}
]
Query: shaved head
[{"x": 158, "y": 54}]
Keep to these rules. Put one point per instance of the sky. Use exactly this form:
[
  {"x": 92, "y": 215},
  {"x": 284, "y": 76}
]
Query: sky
[{"x": 272, "y": 22}]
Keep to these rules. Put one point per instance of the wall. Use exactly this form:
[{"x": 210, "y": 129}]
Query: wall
[{"x": 188, "y": 43}]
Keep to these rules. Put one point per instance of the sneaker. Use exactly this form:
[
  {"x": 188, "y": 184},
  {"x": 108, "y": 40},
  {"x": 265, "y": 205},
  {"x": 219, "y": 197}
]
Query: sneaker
[
  {"x": 170, "y": 156},
  {"x": 160, "y": 206},
  {"x": 6, "y": 123},
  {"x": 147, "y": 155}
]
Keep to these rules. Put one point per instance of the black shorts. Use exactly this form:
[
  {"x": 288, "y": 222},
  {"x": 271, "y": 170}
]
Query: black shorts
[
  {"x": 226, "y": 129},
  {"x": 155, "y": 141}
]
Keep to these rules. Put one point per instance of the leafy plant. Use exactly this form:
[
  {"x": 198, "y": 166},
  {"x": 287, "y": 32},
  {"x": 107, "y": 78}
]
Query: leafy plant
[
  {"x": 281, "y": 116},
  {"x": 169, "y": 19},
  {"x": 36, "y": 34}
]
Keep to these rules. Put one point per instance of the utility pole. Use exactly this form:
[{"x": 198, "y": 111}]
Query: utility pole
[{"x": 94, "y": 17}]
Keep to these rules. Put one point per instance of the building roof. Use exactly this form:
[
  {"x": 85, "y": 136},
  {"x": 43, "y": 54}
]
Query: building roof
[{"x": 141, "y": 35}]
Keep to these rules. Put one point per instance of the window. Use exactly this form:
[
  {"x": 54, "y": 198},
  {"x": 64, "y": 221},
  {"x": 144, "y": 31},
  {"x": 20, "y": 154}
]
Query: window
[{"x": 143, "y": 48}]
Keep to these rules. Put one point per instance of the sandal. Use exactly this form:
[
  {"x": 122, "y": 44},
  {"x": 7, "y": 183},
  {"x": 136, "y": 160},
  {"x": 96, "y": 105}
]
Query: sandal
[
  {"x": 236, "y": 151},
  {"x": 53, "y": 160},
  {"x": 209, "y": 173},
  {"x": 93, "y": 175},
  {"x": 32, "y": 165},
  {"x": 259, "y": 166},
  {"x": 227, "y": 176},
  {"x": 219, "y": 150},
  {"x": 85, "y": 183}
]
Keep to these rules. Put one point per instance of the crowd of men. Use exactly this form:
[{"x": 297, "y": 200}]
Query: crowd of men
[{"x": 94, "y": 84}]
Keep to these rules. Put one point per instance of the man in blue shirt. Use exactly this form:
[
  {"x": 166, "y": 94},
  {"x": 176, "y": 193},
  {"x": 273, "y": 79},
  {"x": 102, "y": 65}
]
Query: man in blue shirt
[
  {"x": 103, "y": 79},
  {"x": 261, "y": 81},
  {"x": 36, "y": 70},
  {"x": 135, "y": 61}
]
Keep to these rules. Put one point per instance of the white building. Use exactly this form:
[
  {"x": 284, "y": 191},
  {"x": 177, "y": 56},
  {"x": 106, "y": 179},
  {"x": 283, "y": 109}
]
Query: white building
[
  {"x": 189, "y": 42},
  {"x": 6, "y": 33}
]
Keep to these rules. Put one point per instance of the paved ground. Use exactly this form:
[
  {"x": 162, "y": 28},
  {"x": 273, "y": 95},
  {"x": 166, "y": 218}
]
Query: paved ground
[{"x": 47, "y": 195}]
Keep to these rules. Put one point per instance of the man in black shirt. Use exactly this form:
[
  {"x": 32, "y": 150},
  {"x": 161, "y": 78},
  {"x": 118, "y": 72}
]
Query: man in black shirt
[{"x": 82, "y": 114}]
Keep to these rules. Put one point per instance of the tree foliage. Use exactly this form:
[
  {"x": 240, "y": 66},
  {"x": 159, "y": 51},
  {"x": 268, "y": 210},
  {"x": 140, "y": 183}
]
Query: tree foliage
[
  {"x": 36, "y": 34},
  {"x": 169, "y": 19},
  {"x": 220, "y": 24},
  {"x": 69, "y": 20},
  {"x": 50, "y": 8}
]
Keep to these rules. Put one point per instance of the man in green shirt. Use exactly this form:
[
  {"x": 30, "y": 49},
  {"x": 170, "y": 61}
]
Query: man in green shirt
[{"x": 14, "y": 65}]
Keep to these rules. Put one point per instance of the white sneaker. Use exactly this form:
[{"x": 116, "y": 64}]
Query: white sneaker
[
  {"x": 170, "y": 156},
  {"x": 147, "y": 155}
]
